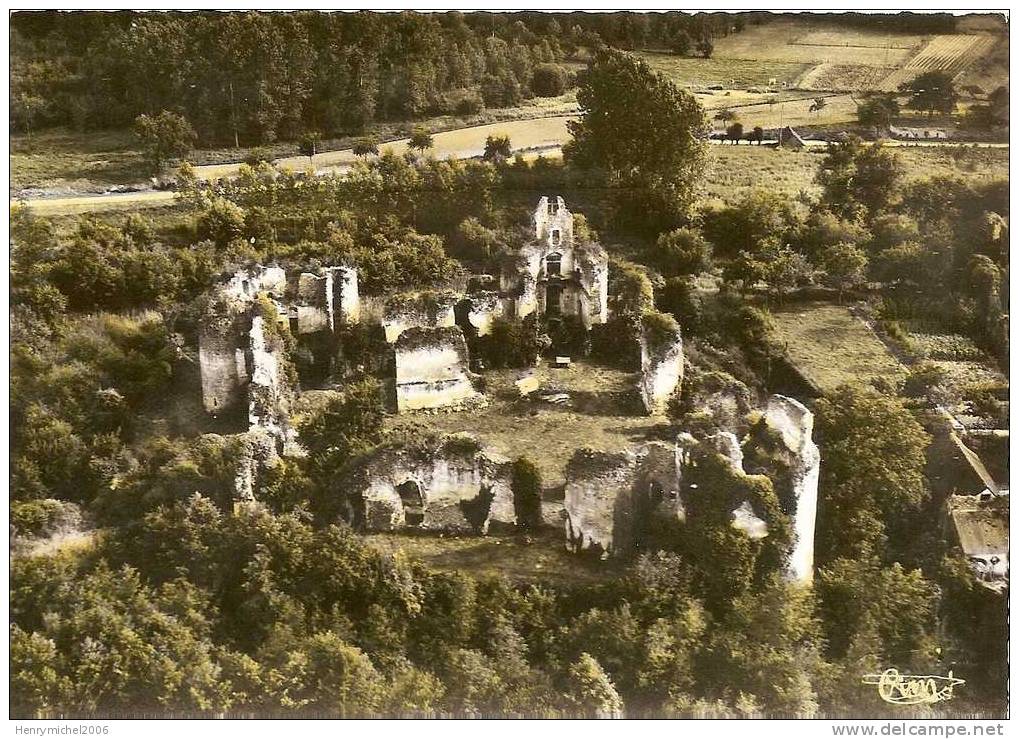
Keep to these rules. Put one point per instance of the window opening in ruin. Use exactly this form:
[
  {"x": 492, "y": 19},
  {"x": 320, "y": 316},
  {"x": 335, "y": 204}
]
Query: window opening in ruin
[
  {"x": 554, "y": 264},
  {"x": 553, "y": 300},
  {"x": 413, "y": 503},
  {"x": 556, "y": 237},
  {"x": 553, "y": 206}
]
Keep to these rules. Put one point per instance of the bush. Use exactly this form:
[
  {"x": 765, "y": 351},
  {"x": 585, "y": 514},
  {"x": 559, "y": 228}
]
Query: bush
[
  {"x": 37, "y": 518},
  {"x": 682, "y": 251},
  {"x": 549, "y": 80},
  {"x": 679, "y": 298},
  {"x": 526, "y": 484},
  {"x": 617, "y": 341},
  {"x": 510, "y": 343},
  {"x": 256, "y": 156},
  {"x": 221, "y": 222},
  {"x": 465, "y": 102}
]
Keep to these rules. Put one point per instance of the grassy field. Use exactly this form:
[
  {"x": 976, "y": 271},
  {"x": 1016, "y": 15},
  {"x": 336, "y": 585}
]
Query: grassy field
[
  {"x": 63, "y": 161},
  {"x": 542, "y": 558},
  {"x": 789, "y": 110},
  {"x": 66, "y": 160},
  {"x": 596, "y": 417},
  {"x": 832, "y": 347},
  {"x": 735, "y": 170},
  {"x": 733, "y": 73}
]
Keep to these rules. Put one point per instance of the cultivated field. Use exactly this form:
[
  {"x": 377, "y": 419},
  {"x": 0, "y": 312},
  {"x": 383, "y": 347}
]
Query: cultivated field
[
  {"x": 840, "y": 59},
  {"x": 832, "y": 347},
  {"x": 735, "y": 170},
  {"x": 811, "y": 42},
  {"x": 948, "y": 53}
]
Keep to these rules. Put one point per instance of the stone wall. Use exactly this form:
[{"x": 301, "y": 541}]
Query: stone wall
[
  {"x": 314, "y": 303},
  {"x": 269, "y": 391},
  {"x": 661, "y": 369},
  {"x": 480, "y": 309},
  {"x": 611, "y": 497},
  {"x": 553, "y": 223},
  {"x": 795, "y": 423},
  {"x": 448, "y": 483},
  {"x": 428, "y": 309},
  {"x": 222, "y": 360},
  {"x": 432, "y": 369}
]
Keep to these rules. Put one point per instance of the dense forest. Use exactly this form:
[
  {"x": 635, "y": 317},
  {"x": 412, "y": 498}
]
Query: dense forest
[
  {"x": 179, "y": 604},
  {"x": 259, "y": 77},
  {"x": 254, "y": 78}
]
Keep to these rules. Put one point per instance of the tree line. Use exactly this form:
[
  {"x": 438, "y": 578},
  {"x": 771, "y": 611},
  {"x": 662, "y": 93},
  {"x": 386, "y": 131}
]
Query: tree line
[{"x": 248, "y": 78}]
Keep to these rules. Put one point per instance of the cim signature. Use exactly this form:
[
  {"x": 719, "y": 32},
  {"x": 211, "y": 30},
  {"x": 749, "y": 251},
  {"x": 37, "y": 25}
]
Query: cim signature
[{"x": 909, "y": 690}]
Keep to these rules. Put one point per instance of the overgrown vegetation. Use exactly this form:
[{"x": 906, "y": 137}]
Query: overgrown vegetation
[{"x": 198, "y": 608}]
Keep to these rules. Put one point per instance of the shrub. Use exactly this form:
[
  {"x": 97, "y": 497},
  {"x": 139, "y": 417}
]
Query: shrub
[
  {"x": 497, "y": 148},
  {"x": 679, "y": 298},
  {"x": 682, "y": 251},
  {"x": 256, "y": 156},
  {"x": 617, "y": 341},
  {"x": 510, "y": 343},
  {"x": 308, "y": 143},
  {"x": 549, "y": 80},
  {"x": 526, "y": 484},
  {"x": 221, "y": 222},
  {"x": 465, "y": 102},
  {"x": 43, "y": 517}
]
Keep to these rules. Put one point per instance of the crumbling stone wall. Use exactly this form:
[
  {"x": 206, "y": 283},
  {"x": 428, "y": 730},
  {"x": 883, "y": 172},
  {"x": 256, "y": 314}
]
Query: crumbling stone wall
[
  {"x": 432, "y": 369},
  {"x": 479, "y": 309},
  {"x": 314, "y": 302},
  {"x": 611, "y": 497},
  {"x": 427, "y": 309},
  {"x": 447, "y": 483},
  {"x": 661, "y": 367},
  {"x": 269, "y": 391},
  {"x": 795, "y": 424},
  {"x": 222, "y": 358},
  {"x": 553, "y": 223}
]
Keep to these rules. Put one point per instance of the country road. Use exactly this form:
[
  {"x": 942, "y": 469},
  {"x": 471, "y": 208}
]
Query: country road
[{"x": 531, "y": 137}]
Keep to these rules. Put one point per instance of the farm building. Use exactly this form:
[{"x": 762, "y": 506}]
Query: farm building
[
  {"x": 980, "y": 525},
  {"x": 789, "y": 139}
]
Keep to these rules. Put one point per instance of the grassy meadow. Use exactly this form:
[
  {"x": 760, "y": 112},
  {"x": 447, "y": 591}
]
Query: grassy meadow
[{"x": 831, "y": 346}]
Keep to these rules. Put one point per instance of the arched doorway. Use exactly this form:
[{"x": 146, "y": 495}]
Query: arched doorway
[{"x": 413, "y": 503}]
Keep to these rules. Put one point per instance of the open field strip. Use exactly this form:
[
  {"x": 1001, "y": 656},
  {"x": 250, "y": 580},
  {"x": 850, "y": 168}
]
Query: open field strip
[{"x": 832, "y": 347}]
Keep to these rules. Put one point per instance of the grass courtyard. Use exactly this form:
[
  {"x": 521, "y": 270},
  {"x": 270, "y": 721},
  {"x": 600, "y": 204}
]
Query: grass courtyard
[{"x": 600, "y": 415}]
